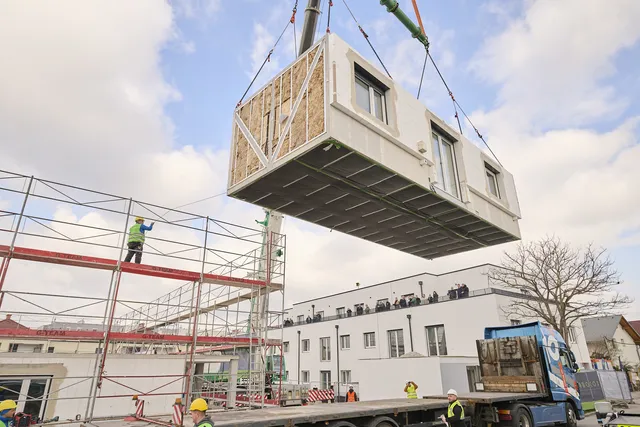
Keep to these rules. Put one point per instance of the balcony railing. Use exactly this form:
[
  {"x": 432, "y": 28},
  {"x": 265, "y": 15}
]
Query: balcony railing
[{"x": 423, "y": 302}]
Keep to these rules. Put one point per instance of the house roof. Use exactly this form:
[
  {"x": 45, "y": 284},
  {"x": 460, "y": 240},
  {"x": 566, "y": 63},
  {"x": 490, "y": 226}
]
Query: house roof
[
  {"x": 635, "y": 324},
  {"x": 597, "y": 328},
  {"x": 8, "y": 323}
]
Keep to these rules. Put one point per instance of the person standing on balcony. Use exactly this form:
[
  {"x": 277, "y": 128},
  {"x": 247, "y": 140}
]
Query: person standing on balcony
[
  {"x": 136, "y": 239},
  {"x": 410, "y": 389}
]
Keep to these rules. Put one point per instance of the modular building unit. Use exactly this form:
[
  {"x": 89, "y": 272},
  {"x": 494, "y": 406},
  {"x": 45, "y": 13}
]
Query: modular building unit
[{"x": 333, "y": 141}]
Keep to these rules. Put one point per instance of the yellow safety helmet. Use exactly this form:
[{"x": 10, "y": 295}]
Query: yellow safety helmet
[
  {"x": 7, "y": 404},
  {"x": 199, "y": 405},
  {"x": 139, "y": 218}
]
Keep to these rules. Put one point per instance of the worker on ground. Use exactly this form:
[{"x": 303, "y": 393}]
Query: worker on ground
[
  {"x": 7, "y": 412},
  {"x": 198, "y": 411},
  {"x": 410, "y": 389},
  {"x": 351, "y": 395},
  {"x": 455, "y": 411},
  {"x": 136, "y": 239}
]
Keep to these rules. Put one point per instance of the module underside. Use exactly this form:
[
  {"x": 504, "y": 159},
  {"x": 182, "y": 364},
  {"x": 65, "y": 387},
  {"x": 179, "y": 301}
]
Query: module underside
[{"x": 340, "y": 189}]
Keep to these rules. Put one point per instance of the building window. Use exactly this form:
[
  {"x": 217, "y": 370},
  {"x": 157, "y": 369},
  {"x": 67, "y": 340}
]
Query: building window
[
  {"x": 345, "y": 342},
  {"x": 13, "y": 347},
  {"x": 370, "y": 95},
  {"x": 325, "y": 349},
  {"x": 369, "y": 340},
  {"x": 285, "y": 347},
  {"x": 515, "y": 322},
  {"x": 340, "y": 311},
  {"x": 320, "y": 314},
  {"x": 492, "y": 180},
  {"x": 445, "y": 162},
  {"x": 345, "y": 377},
  {"x": 301, "y": 318},
  {"x": 396, "y": 343},
  {"x": 436, "y": 341},
  {"x": 50, "y": 349},
  {"x": 325, "y": 380},
  {"x": 306, "y": 377},
  {"x": 382, "y": 301},
  {"x": 306, "y": 346}
]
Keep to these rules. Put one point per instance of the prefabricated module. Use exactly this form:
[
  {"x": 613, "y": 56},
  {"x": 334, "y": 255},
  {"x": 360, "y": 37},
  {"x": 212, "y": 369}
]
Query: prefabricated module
[{"x": 334, "y": 141}]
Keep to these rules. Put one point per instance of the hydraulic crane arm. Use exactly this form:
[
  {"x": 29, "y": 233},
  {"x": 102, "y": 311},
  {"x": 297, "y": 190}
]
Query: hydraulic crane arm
[{"x": 394, "y": 7}]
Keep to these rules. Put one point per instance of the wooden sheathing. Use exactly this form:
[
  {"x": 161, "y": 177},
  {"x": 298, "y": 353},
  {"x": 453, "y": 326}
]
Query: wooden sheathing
[
  {"x": 286, "y": 109},
  {"x": 255, "y": 126},
  {"x": 299, "y": 123},
  {"x": 241, "y": 145},
  {"x": 316, "y": 98},
  {"x": 277, "y": 125}
]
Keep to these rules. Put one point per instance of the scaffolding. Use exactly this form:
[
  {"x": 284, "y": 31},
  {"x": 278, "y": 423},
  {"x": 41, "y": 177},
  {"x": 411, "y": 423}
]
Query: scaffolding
[{"x": 229, "y": 272}]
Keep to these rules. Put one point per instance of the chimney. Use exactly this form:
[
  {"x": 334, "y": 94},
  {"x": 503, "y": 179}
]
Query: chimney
[{"x": 8, "y": 317}]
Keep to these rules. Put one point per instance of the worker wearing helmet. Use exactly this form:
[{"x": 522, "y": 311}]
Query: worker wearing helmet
[
  {"x": 410, "y": 389},
  {"x": 7, "y": 412},
  {"x": 455, "y": 411},
  {"x": 136, "y": 239},
  {"x": 351, "y": 395},
  {"x": 198, "y": 411}
]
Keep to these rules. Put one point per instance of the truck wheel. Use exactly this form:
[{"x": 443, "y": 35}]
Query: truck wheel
[
  {"x": 572, "y": 419},
  {"x": 522, "y": 418},
  {"x": 384, "y": 422},
  {"x": 341, "y": 424}
]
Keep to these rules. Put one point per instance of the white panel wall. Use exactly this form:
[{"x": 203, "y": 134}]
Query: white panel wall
[
  {"x": 626, "y": 347},
  {"x": 464, "y": 321}
]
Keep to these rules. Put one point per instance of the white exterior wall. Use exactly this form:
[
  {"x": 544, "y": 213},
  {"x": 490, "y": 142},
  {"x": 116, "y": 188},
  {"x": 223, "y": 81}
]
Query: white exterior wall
[
  {"x": 72, "y": 397},
  {"x": 409, "y": 122},
  {"x": 626, "y": 347},
  {"x": 464, "y": 321},
  {"x": 475, "y": 278}
]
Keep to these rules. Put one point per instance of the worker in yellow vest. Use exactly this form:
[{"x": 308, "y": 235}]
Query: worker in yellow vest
[
  {"x": 455, "y": 411},
  {"x": 351, "y": 395},
  {"x": 198, "y": 411},
  {"x": 410, "y": 389},
  {"x": 7, "y": 412},
  {"x": 136, "y": 239}
]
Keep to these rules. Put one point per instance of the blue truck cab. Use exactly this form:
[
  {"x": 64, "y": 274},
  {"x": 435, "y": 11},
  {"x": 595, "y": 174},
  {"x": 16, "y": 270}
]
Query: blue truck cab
[{"x": 533, "y": 362}]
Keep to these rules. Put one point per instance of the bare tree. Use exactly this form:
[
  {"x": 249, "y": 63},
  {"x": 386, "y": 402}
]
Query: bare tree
[{"x": 563, "y": 285}]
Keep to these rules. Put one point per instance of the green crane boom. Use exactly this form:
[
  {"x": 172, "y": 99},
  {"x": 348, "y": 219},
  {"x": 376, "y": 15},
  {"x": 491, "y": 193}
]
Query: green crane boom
[{"x": 394, "y": 7}]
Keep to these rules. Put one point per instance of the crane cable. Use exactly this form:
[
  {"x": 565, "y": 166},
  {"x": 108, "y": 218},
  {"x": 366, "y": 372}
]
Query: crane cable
[
  {"x": 456, "y": 105},
  {"x": 268, "y": 58},
  {"x": 366, "y": 37}
]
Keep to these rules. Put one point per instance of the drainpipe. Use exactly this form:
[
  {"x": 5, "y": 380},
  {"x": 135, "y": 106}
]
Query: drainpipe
[
  {"x": 299, "y": 349},
  {"x": 313, "y": 311},
  {"x": 338, "y": 361},
  {"x": 421, "y": 290},
  {"x": 410, "y": 332}
]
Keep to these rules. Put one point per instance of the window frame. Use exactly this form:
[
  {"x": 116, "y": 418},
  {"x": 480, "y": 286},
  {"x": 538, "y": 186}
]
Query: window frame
[
  {"x": 345, "y": 373},
  {"x": 399, "y": 333},
  {"x": 304, "y": 374},
  {"x": 374, "y": 87},
  {"x": 308, "y": 345},
  {"x": 443, "y": 139},
  {"x": 300, "y": 318},
  {"x": 341, "y": 312},
  {"x": 321, "y": 314},
  {"x": 285, "y": 346},
  {"x": 492, "y": 174},
  {"x": 438, "y": 342},
  {"x": 328, "y": 347},
  {"x": 322, "y": 380},
  {"x": 348, "y": 339},
  {"x": 364, "y": 335}
]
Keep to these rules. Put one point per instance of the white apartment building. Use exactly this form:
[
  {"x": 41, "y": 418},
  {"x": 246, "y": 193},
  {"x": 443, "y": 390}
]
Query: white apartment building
[{"x": 371, "y": 349}]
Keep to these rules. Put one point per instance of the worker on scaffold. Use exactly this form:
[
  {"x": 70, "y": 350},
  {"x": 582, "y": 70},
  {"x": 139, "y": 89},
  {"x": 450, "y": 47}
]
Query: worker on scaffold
[
  {"x": 136, "y": 239},
  {"x": 7, "y": 412},
  {"x": 198, "y": 411}
]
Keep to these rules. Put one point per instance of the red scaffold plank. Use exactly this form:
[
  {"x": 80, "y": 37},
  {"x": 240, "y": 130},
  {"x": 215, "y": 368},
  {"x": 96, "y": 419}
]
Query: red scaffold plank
[
  {"x": 62, "y": 335},
  {"x": 141, "y": 269}
]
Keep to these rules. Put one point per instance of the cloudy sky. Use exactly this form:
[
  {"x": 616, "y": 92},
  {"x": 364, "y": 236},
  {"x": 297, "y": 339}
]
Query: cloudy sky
[{"x": 136, "y": 99}]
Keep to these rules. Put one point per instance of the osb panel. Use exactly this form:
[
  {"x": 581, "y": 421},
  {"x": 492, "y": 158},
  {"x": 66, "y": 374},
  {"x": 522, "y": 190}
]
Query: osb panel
[
  {"x": 316, "y": 100},
  {"x": 286, "y": 85},
  {"x": 299, "y": 123},
  {"x": 277, "y": 112},
  {"x": 312, "y": 54},
  {"x": 240, "y": 157},
  {"x": 255, "y": 123}
]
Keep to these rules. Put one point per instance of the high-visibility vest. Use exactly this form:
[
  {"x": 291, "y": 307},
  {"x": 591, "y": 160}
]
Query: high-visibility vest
[
  {"x": 451, "y": 406},
  {"x": 351, "y": 396},
  {"x": 2, "y": 424},
  {"x": 135, "y": 235},
  {"x": 411, "y": 392}
]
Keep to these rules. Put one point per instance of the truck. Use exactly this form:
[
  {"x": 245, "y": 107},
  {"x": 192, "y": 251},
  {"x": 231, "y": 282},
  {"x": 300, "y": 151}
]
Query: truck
[{"x": 528, "y": 380}]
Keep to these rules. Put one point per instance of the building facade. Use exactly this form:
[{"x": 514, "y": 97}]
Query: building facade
[{"x": 433, "y": 344}]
